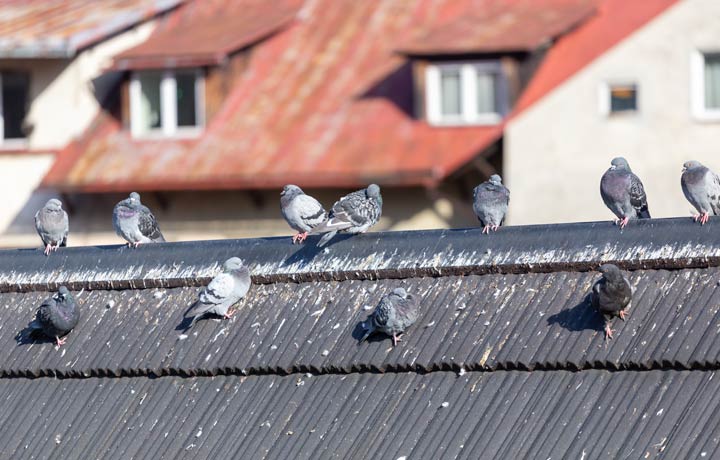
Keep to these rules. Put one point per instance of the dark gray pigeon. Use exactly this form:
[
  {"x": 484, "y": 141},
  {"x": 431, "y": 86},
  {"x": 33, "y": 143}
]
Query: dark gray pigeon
[
  {"x": 623, "y": 193},
  {"x": 490, "y": 203},
  {"x": 302, "y": 212},
  {"x": 356, "y": 212},
  {"x": 135, "y": 223},
  {"x": 224, "y": 291},
  {"x": 51, "y": 223},
  {"x": 394, "y": 314},
  {"x": 611, "y": 295},
  {"x": 57, "y": 316},
  {"x": 702, "y": 189}
]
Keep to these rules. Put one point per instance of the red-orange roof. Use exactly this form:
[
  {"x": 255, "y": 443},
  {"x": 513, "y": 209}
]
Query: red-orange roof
[
  {"x": 208, "y": 35},
  {"x": 518, "y": 26},
  {"x": 325, "y": 102},
  {"x": 59, "y": 28}
]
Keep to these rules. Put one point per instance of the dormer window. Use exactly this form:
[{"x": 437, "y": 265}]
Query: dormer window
[
  {"x": 166, "y": 103},
  {"x": 468, "y": 93}
]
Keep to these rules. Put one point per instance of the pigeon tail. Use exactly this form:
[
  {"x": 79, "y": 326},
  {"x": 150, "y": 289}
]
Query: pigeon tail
[
  {"x": 35, "y": 325},
  {"x": 326, "y": 237},
  {"x": 368, "y": 332},
  {"x": 644, "y": 213}
]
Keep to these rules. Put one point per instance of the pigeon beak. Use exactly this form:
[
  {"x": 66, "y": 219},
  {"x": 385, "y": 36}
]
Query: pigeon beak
[
  {"x": 613, "y": 167},
  {"x": 684, "y": 169}
]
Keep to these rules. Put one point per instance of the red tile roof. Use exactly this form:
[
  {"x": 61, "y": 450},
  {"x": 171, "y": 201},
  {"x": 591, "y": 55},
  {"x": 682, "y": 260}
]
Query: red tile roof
[
  {"x": 208, "y": 35},
  {"x": 59, "y": 28},
  {"x": 520, "y": 26},
  {"x": 326, "y": 102}
]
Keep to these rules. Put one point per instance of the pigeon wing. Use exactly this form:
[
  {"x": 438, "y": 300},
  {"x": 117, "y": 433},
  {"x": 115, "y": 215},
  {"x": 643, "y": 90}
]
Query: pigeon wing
[
  {"x": 310, "y": 210},
  {"x": 638, "y": 198},
  {"x": 148, "y": 225},
  {"x": 215, "y": 295}
]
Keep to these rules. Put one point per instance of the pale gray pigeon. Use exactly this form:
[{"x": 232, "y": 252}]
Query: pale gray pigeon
[
  {"x": 51, "y": 223},
  {"x": 490, "y": 203},
  {"x": 135, "y": 223},
  {"x": 302, "y": 212},
  {"x": 356, "y": 212},
  {"x": 57, "y": 316},
  {"x": 623, "y": 193},
  {"x": 394, "y": 314},
  {"x": 611, "y": 295},
  {"x": 224, "y": 291},
  {"x": 702, "y": 189}
]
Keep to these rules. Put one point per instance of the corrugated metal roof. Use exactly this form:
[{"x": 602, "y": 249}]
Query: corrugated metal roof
[
  {"x": 512, "y": 347},
  {"x": 59, "y": 28},
  {"x": 520, "y": 26},
  {"x": 206, "y": 33},
  {"x": 510, "y": 414}
]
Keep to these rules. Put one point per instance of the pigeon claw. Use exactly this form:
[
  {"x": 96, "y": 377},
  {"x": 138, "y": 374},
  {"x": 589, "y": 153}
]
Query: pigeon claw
[
  {"x": 622, "y": 314},
  {"x": 48, "y": 249},
  {"x": 486, "y": 229},
  {"x": 608, "y": 332},
  {"x": 704, "y": 218},
  {"x": 300, "y": 237},
  {"x": 229, "y": 314},
  {"x": 495, "y": 228},
  {"x": 623, "y": 222},
  {"x": 396, "y": 339},
  {"x": 60, "y": 341}
]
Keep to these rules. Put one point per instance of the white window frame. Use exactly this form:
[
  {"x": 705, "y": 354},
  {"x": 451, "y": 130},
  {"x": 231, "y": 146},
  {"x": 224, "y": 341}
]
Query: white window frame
[
  {"x": 604, "y": 93},
  {"x": 168, "y": 106},
  {"x": 468, "y": 94},
  {"x": 697, "y": 87},
  {"x": 16, "y": 142}
]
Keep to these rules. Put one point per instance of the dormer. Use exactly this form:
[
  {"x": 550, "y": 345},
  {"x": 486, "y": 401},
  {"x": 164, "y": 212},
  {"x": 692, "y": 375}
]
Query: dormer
[{"x": 471, "y": 70}]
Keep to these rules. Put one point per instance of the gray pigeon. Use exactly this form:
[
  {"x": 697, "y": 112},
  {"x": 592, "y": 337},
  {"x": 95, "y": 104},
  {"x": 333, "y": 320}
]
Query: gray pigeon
[
  {"x": 611, "y": 295},
  {"x": 302, "y": 212},
  {"x": 51, "y": 223},
  {"x": 135, "y": 223},
  {"x": 57, "y": 316},
  {"x": 356, "y": 212},
  {"x": 623, "y": 193},
  {"x": 490, "y": 203},
  {"x": 224, "y": 291},
  {"x": 396, "y": 312},
  {"x": 702, "y": 189}
]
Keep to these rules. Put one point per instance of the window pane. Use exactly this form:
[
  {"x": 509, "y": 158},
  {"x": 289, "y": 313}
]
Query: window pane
[
  {"x": 486, "y": 93},
  {"x": 450, "y": 92},
  {"x": 15, "y": 88},
  {"x": 623, "y": 98},
  {"x": 150, "y": 101},
  {"x": 186, "y": 110},
  {"x": 712, "y": 81}
]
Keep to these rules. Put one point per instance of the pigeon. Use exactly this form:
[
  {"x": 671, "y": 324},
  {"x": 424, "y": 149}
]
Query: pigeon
[
  {"x": 623, "y": 193},
  {"x": 490, "y": 203},
  {"x": 135, "y": 223},
  {"x": 702, "y": 189},
  {"x": 57, "y": 316},
  {"x": 611, "y": 295},
  {"x": 396, "y": 312},
  {"x": 223, "y": 292},
  {"x": 51, "y": 223},
  {"x": 302, "y": 212},
  {"x": 356, "y": 212}
]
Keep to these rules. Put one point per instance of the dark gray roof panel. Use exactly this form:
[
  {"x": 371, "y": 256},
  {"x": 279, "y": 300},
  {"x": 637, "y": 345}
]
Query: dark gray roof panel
[
  {"x": 531, "y": 321},
  {"x": 506, "y": 414},
  {"x": 657, "y": 243}
]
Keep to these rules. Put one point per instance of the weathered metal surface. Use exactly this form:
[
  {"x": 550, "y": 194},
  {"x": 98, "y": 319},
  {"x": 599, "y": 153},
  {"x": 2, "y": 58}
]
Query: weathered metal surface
[
  {"x": 648, "y": 244},
  {"x": 589, "y": 414}
]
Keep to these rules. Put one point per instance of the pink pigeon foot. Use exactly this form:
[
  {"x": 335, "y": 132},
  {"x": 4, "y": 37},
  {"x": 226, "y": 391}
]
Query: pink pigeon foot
[
  {"x": 60, "y": 341},
  {"x": 48, "y": 248},
  {"x": 495, "y": 228},
  {"x": 623, "y": 222},
  {"x": 623, "y": 314},
  {"x": 486, "y": 229},
  {"x": 396, "y": 339},
  {"x": 608, "y": 332},
  {"x": 229, "y": 314}
]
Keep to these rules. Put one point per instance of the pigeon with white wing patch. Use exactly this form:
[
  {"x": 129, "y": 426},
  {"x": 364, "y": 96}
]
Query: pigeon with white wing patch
[
  {"x": 353, "y": 213},
  {"x": 224, "y": 291}
]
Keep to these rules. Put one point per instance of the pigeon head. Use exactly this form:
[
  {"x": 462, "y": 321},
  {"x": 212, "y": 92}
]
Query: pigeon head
[
  {"x": 54, "y": 204},
  {"x": 291, "y": 190},
  {"x": 62, "y": 294},
  {"x": 691, "y": 165},
  {"x": 232, "y": 264},
  {"x": 610, "y": 271},
  {"x": 619, "y": 163},
  {"x": 373, "y": 191},
  {"x": 496, "y": 179},
  {"x": 400, "y": 292},
  {"x": 134, "y": 198}
]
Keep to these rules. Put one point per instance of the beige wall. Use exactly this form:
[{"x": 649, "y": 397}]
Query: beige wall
[
  {"x": 233, "y": 214},
  {"x": 556, "y": 152},
  {"x": 65, "y": 94}
]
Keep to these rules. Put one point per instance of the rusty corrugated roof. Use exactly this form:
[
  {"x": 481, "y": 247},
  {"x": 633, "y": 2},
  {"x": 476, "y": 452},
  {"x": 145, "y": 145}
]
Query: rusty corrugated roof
[
  {"x": 59, "y": 28},
  {"x": 519, "y": 26},
  {"x": 326, "y": 102}
]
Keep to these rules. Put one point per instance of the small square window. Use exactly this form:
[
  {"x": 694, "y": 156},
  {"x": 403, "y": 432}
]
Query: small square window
[
  {"x": 705, "y": 85},
  {"x": 166, "y": 103},
  {"x": 623, "y": 98}
]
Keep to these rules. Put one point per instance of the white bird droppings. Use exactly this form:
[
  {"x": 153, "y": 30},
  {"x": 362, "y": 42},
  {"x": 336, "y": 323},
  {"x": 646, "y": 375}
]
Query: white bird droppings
[
  {"x": 430, "y": 324},
  {"x": 325, "y": 352},
  {"x": 182, "y": 337},
  {"x": 445, "y": 404},
  {"x": 199, "y": 432}
]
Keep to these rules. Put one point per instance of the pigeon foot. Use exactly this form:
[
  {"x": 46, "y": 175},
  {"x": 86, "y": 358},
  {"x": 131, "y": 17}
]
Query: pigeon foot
[
  {"x": 396, "y": 339},
  {"x": 623, "y": 222},
  {"x": 60, "y": 341},
  {"x": 229, "y": 314},
  {"x": 48, "y": 248},
  {"x": 608, "y": 332},
  {"x": 486, "y": 229},
  {"x": 622, "y": 314}
]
